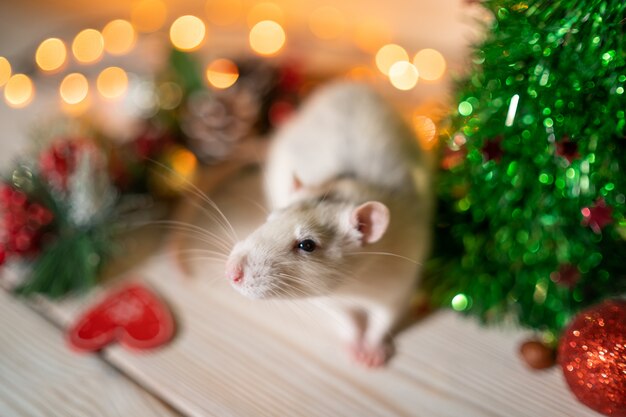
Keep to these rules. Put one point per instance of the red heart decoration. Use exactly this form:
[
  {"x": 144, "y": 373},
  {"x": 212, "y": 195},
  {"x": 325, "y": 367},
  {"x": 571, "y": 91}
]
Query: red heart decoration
[{"x": 133, "y": 316}]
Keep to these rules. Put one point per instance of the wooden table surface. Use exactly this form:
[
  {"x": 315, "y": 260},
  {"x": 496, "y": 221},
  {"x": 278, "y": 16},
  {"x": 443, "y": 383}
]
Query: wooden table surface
[{"x": 236, "y": 357}]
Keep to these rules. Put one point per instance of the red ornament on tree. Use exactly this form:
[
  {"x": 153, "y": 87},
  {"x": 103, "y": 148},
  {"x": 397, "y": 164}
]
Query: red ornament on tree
[
  {"x": 597, "y": 216},
  {"x": 492, "y": 149},
  {"x": 567, "y": 276},
  {"x": 567, "y": 149},
  {"x": 592, "y": 353}
]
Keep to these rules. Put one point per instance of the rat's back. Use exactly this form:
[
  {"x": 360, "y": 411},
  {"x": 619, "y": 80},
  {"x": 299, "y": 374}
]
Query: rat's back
[{"x": 346, "y": 129}]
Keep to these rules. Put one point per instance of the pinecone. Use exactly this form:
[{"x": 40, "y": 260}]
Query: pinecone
[{"x": 214, "y": 122}]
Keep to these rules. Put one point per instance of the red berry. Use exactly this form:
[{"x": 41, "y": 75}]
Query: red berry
[
  {"x": 6, "y": 191},
  {"x": 23, "y": 241},
  {"x": 46, "y": 217},
  {"x": 35, "y": 214},
  {"x": 18, "y": 199}
]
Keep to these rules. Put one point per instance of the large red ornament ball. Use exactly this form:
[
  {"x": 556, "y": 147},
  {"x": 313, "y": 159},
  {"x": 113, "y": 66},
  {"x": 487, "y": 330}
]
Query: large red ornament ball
[{"x": 592, "y": 353}]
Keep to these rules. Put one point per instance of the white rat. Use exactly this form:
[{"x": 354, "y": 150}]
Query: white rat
[{"x": 349, "y": 223}]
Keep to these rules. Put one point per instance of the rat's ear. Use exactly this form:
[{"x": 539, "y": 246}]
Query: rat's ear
[
  {"x": 297, "y": 184},
  {"x": 371, "y": 219}
]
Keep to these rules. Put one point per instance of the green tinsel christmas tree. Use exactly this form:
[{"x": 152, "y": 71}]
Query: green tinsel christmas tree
[{"x": 531, "y": 221}]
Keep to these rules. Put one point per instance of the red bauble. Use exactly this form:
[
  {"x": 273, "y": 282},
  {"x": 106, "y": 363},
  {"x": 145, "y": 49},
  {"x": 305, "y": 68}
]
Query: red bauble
[{"x": 592, "y": 353}]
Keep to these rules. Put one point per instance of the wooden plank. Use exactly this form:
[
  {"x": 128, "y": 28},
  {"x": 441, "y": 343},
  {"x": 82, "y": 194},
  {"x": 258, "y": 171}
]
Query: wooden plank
[
  {"x": 236, "y": 357},
  {"x": 41, "y": 376}
]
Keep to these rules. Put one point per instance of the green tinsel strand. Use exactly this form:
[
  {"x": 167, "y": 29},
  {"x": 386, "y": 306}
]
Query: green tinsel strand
[{"x": 508, "y": 223}]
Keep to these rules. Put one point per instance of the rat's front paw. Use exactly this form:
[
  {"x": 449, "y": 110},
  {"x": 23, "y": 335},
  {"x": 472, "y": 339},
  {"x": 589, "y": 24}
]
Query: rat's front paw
[{"x": 371, "y": 356}]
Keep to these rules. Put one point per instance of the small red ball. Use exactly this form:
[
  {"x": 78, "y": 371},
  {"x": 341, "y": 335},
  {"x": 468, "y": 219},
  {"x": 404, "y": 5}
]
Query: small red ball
[{"x": 592, "y": 354}]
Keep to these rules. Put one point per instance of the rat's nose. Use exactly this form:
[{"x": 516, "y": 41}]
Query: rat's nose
[{"x": 234, "y": 273}]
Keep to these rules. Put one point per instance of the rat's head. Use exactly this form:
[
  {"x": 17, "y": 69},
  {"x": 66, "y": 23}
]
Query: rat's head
[{"x": 301, "y": 250}]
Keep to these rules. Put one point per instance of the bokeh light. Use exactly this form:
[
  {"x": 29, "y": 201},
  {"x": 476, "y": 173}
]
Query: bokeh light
[
  {"x": 51, "y": 54},
  {"x": 430, "y": 64},
  {"x": 184, "y": 162},
  {"x": 403, "y": 75},
  {"x": 460, "y": 302},
  {"x": 327, "y": 22},
  {"x": 148, "y": 15},
  {"x": 465, "y": 108},
  {"x": 223, "y": 12},
  {"x": 187, "y": 33},
  {"x": 389, "y": 55},
  {"x": 19, "y": 91},
  {"x": 88, "y": 46},
  {"x": 265, "y": 11},
  {"x": 425, "y": 130},
  {"x": 119, "y": 37},
  {"x": 74, "y": 88},
  {"x": 76, "y": 109},
  {"x": 112, "y": 82},
  {"x": 169, "y": 95},
  {"x": 222, "y": 73},
  {"x": 267, "y": 37},
  {"x": 361, "y": 73},
  {"x": 370, "y": 34},
  {"x": 5, "y": 70}
]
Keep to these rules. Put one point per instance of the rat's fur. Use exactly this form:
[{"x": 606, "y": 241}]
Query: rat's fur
[{"x": 341, "y": 174}]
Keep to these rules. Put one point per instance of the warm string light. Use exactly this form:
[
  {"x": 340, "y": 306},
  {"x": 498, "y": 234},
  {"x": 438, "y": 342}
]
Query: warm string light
[
  {"x": 187, "y": 33},
  {"x": 19, "y": 91},
  {"x": 389, "y": 55},
  {"x": 119, "y": 37},
  {"x": 148, "y": 15},
  {"x": 430, "y": 64},
  {"x": 222, "y": 73},
  {"x": 5, "y": 70},
  {"x": 267, "y": 38},
  {"x": 112, "y": 83},
  {"x": 88, "y": 46},
  {"x": 403, "y": 75},
  {"x": 51, "y": 54},
  {"x": 392, "y": 60},
  {"x": 74, "y": 88}
]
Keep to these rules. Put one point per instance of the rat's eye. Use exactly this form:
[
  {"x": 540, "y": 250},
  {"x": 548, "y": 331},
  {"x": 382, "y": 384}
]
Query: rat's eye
[{"x": 307, "y": 245}]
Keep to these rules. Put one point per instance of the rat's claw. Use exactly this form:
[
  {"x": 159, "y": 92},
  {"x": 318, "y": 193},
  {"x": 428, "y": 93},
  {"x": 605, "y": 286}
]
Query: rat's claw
[{"x": 371, "y": 356}]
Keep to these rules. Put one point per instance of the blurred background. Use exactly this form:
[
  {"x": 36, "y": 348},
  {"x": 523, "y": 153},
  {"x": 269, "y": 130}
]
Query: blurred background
[
  {"x": 47, "y": 41},
  {"x": 110, "y": 110}
]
